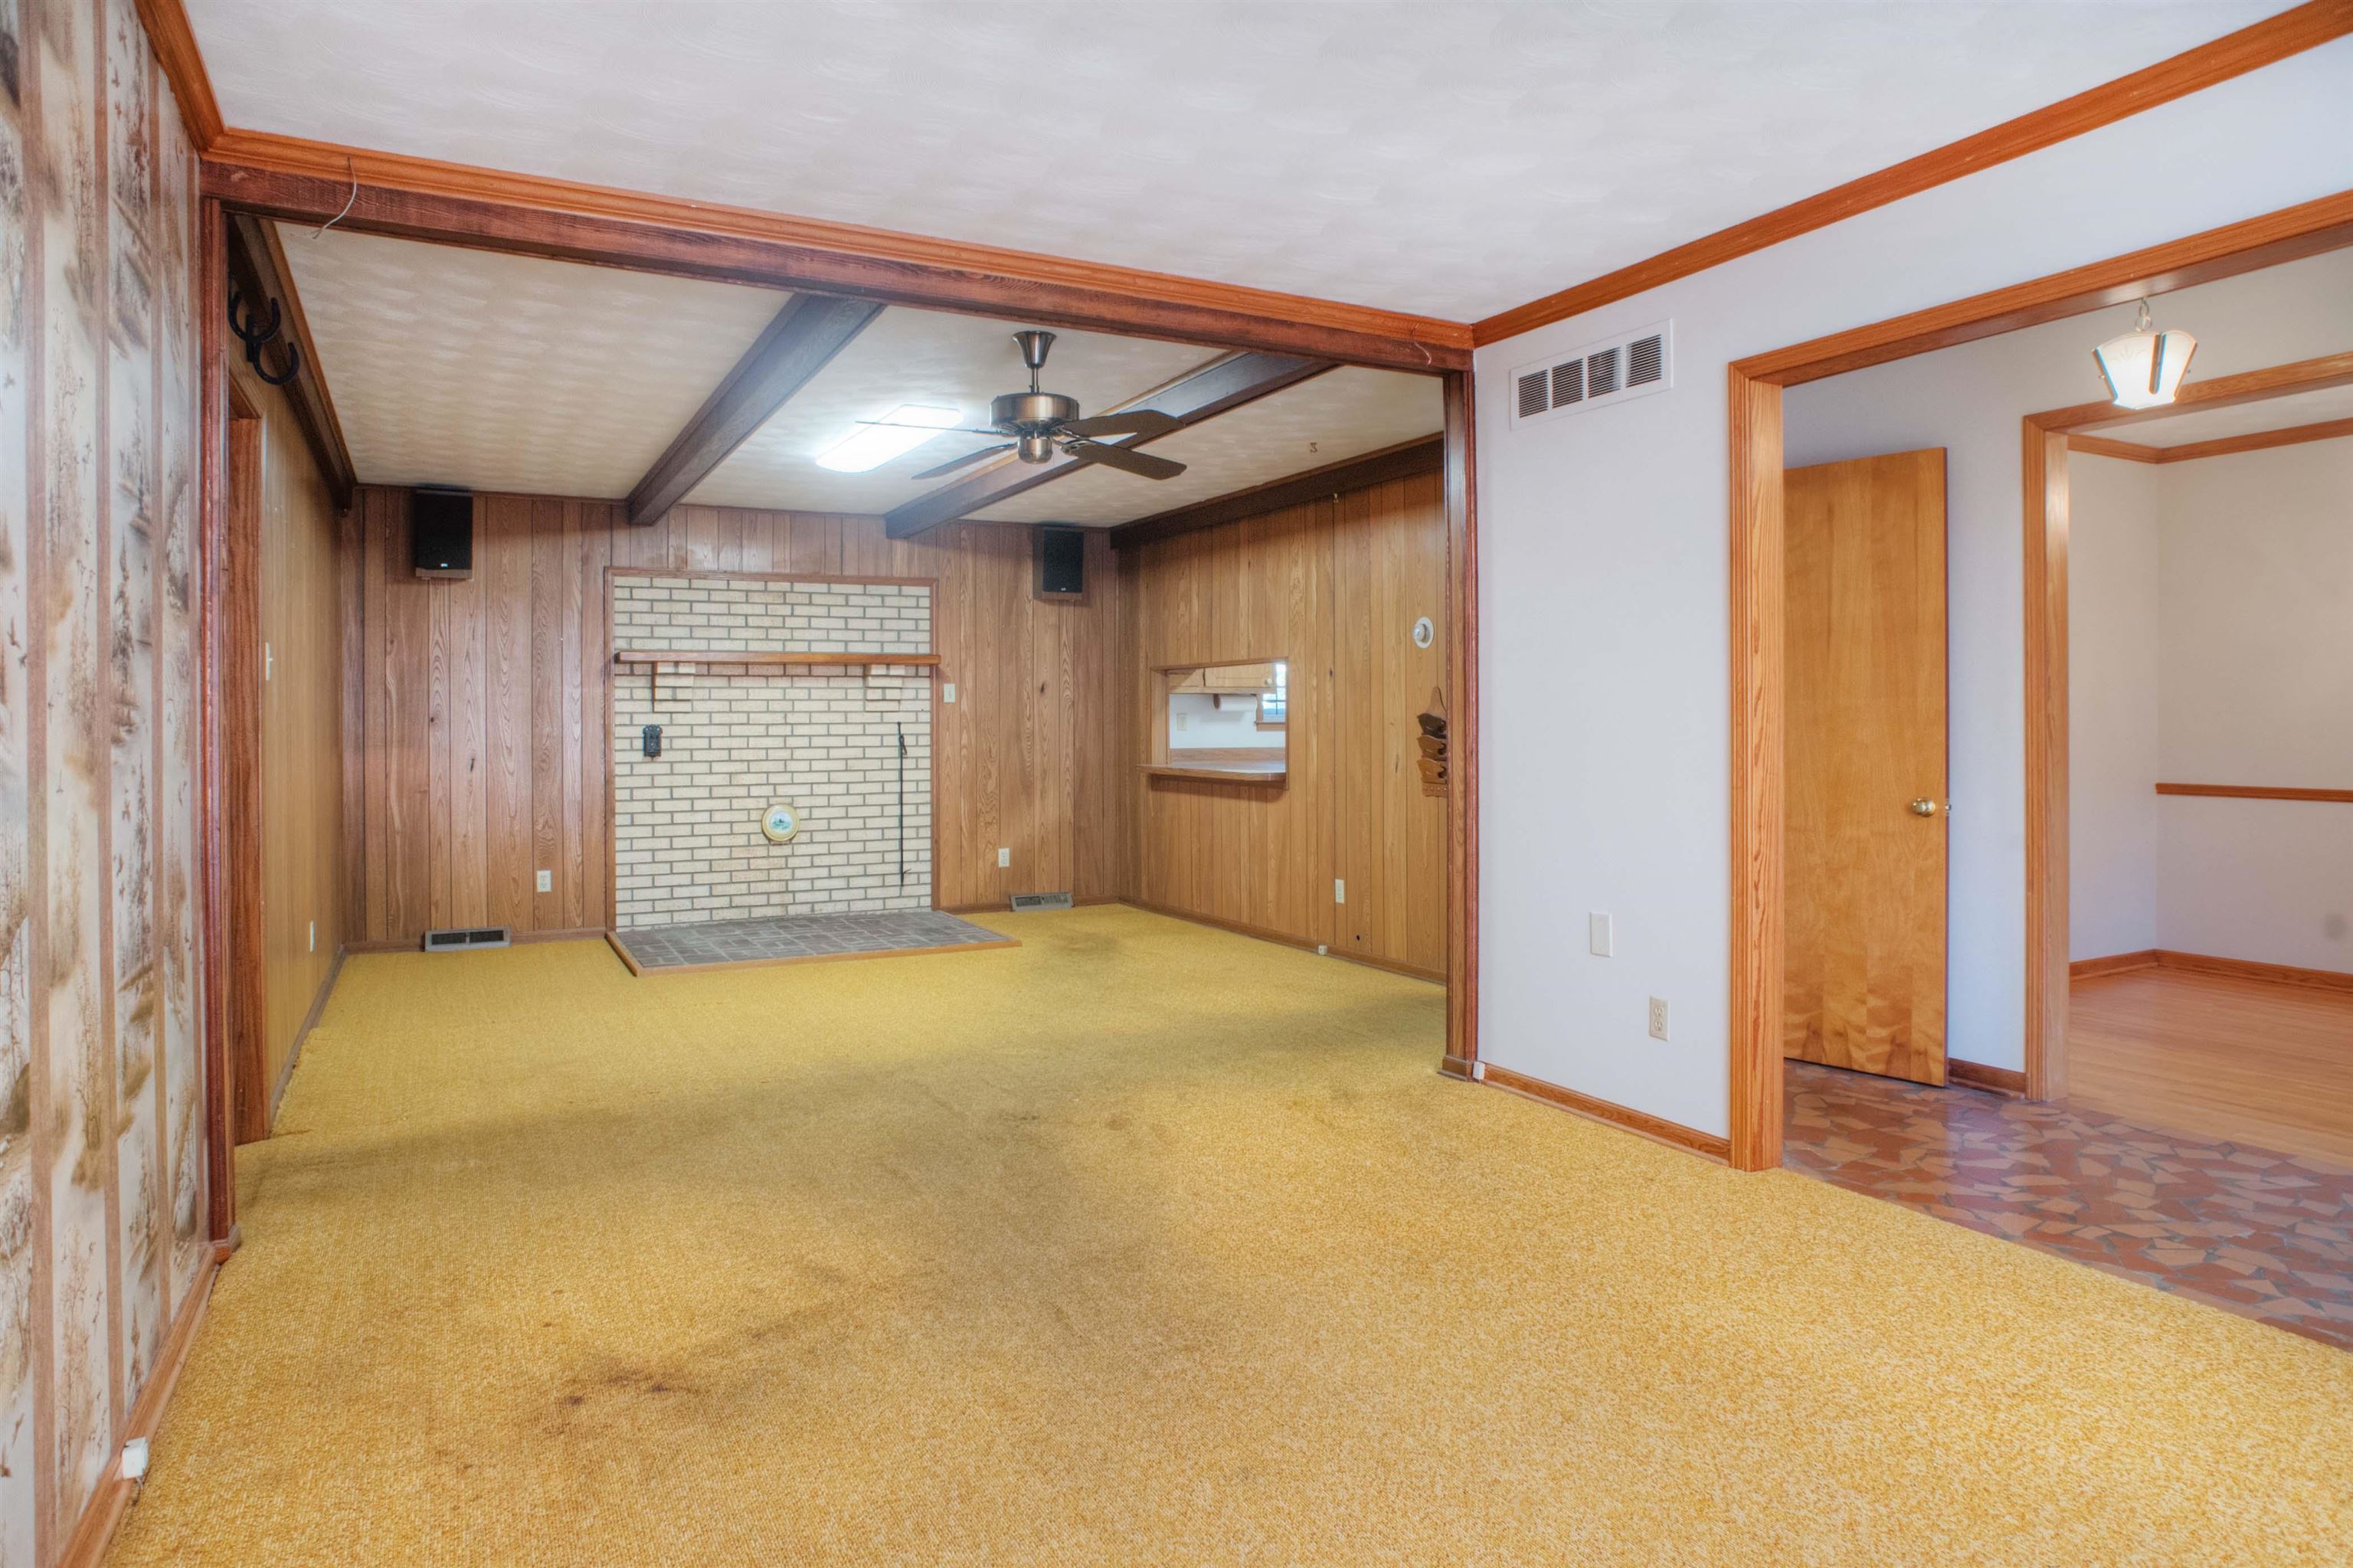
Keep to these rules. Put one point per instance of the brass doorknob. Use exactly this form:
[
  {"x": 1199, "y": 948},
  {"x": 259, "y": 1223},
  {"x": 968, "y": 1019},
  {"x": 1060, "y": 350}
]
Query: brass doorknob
[{"x": 1923, "y": 807}]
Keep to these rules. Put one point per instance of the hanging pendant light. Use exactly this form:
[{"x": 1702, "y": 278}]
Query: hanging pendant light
[{"x": 2144, "y": 368}]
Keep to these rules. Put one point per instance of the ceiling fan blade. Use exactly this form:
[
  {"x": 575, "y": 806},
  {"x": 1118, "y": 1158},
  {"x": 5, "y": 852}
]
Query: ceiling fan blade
[
  {"x": 1146, "y": 422},
  {"x": 955, "y": 463},
  {"x": 1143, "y": 464}
]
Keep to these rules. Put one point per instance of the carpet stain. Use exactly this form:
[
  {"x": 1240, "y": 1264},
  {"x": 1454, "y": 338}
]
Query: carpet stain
[{"x": 1138, "y": 1244}]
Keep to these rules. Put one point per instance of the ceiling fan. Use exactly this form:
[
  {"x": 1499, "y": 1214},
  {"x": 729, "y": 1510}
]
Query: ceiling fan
[{"x": 1041, "y": 422}]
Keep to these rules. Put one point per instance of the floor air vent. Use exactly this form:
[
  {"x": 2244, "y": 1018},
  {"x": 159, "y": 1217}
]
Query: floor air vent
[
  {"x": 1631, "y": 365},
  {"x": 1041, "y": 901},
  {"x": 460, "y": 939}
]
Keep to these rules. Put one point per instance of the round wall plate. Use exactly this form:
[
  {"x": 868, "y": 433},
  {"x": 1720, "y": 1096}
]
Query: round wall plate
[
  {"x": 1423, "y": 632},
  {"x": 780, "y": 822}
]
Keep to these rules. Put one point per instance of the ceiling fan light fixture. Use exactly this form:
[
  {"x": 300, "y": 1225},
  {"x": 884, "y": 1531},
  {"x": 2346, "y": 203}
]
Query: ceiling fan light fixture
[
  {"x": 876, "y": 441},
  {"x": 2144, "y": 368}
]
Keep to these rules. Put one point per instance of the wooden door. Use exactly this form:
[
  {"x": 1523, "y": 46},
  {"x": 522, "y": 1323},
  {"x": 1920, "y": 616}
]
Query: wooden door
[{"x": 1866, "y": 765}]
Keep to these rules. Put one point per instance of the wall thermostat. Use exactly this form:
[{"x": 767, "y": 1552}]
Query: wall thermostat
[
  {"x": 780, "y": 822},
  {"x": 1423, "y": 632}
]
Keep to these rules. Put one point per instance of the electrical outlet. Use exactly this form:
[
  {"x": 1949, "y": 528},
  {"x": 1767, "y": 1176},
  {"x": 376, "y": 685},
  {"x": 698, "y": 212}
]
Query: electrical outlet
[
  {"x": 1180, "y": 721},
  {"x": 547, "y": 882},
  {"x": 1339, "y": 891},
  {"x": 1004, "y": 857},
  {"x": 1658, "y": 1018},
  {"x": 1601, "y": 934},
  {"x": 947, "y": 691}
]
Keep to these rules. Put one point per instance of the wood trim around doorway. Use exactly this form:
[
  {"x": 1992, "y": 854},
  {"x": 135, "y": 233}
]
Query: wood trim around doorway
[{"x": 1757, "y": 700}]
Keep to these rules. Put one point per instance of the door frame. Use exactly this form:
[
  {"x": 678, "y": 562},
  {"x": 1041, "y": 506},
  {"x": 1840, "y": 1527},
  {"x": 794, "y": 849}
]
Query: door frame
[{"x": 1754, "y": 388}]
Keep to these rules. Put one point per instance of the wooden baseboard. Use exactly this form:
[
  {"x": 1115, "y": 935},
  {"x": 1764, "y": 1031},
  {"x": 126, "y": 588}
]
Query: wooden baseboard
[
  {"x": 2247, "y": 969},
  {"x": 2114, "y": 964},
  {"x": 1658, "y": 1130},
  {"x": 1005, "y": 906},
  {"x": 2207, "y": 964},
  {"x": 1977, "y": 1076},
  {"x": 310, "y": 1022},
  {"x": 113, "y": 1496},
  {"x": 1284, "y": 938},
  {"x": 1457, "y": 1067},
  {"x": 416, "y": 944}
]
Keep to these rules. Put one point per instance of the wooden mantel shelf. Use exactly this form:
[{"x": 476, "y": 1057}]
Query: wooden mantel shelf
[
  {"x": 1268, "y": 773},
  {"x": 652, "y": 660},
  {"x": 721, "y": 656}
]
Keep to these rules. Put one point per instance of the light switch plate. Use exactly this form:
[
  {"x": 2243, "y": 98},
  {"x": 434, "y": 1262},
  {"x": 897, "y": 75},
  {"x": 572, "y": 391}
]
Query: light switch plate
[
  {"x": 547, "y": 882},
  {"x": 947, "y": 691},
  {"x": 1004, "y": 857},
  {"x": 1339, "y": 891},
  {"x": 1601, "y": 934}
]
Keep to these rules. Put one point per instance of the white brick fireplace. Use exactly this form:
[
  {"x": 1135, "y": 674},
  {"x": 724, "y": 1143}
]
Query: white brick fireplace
[{"x": 737, "y": 738}]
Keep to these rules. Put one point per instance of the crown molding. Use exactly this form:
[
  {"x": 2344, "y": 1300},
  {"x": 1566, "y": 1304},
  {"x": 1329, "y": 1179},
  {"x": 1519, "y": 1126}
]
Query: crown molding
[{"x": 2267, "y": 42}]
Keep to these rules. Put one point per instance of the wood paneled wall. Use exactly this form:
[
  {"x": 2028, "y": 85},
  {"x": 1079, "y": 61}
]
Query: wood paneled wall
[
  {"x": 299, "y": 664},
  {"x": 1334, "y": 586},
  {"x": 474, "y": 710},
  {"x": 103, "y": 1241}
]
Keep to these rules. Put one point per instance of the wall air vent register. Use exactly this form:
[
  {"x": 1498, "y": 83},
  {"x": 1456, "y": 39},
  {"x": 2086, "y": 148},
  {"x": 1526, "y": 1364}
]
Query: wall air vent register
[{"x": 1612, "y": 370}]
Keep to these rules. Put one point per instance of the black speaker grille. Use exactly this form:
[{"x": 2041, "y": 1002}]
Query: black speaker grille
[
  {"x": 441, "y": 530},
  {"x": 1061, "y": 561}
]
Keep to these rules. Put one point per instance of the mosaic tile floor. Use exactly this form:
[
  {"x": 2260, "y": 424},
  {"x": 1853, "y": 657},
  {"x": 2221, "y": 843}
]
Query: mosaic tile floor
[
  {"x": 781, "y": 939},
  {"x": 2265, "y": 1234}
]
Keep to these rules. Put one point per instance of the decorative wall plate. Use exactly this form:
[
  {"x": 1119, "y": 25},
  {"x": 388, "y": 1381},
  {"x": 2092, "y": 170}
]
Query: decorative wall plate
[{"x": 780, "y": 822}]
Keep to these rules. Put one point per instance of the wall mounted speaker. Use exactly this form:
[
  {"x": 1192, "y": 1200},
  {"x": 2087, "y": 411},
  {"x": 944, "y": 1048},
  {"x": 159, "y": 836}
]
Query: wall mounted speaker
[
  {"x": 1061, "y": 562},
  {"x": 441, "y": 531}
]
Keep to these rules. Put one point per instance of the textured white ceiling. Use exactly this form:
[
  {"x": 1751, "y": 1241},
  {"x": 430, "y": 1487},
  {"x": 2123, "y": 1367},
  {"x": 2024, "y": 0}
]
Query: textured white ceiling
[
  {"x": 1337, "y": 415},
  {"x": 2241, "y": 420},
  {"x": 1453, "y": 159},
  {"x": 928, "y": 358},
  {"x": 495, "y": 372}
]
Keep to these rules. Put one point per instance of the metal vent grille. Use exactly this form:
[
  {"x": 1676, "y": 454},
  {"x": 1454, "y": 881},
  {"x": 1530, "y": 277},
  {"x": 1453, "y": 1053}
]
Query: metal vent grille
[
  {"x": 458, "y": 938},
  {"x": 1630, "y": 364},
  {"x": 1646, "y": 360},
  {"x": 1601, "y": 373},
  {"x": 1041, "y": 901}
]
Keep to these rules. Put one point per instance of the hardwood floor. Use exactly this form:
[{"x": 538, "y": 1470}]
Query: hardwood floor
[{"x": 2217, "y": 1057}]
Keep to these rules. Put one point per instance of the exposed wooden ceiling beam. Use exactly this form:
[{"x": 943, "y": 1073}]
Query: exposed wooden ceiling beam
[
  {"x": 807, "y": 333},
  {"x": 2267, "y": 42},
  {"x": 1204, "y": 394},
  {"x": 258, "y": 270},
  {"x": 456, "y": 204},
  {"x": 1425, "y": 454}
]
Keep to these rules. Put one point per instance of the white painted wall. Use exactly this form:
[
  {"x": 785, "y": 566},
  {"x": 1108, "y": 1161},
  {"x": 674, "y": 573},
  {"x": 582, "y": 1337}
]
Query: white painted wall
[
  {"x": 1209, "y": 727},
  {"x": 2113, "y": 533},
  {"x": 1603, "y": 548},
  {"x": 2255, "y": 679}
]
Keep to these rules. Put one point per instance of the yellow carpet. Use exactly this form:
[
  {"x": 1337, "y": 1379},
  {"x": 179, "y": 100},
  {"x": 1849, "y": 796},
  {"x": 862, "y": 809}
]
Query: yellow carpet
[{"x": 1139, "y": 1243}]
